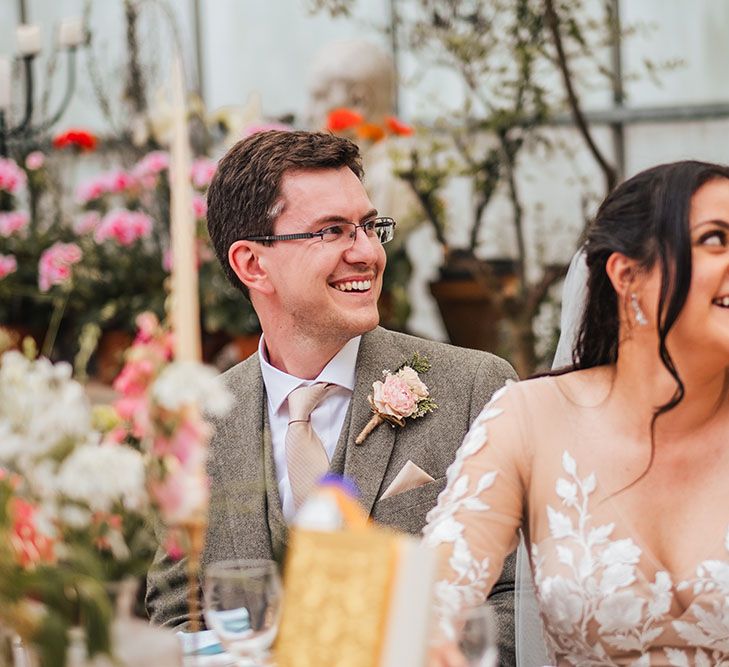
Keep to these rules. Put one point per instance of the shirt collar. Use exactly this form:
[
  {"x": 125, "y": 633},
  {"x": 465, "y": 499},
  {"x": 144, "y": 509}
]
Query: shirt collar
[{"x": 340, "y": 371}]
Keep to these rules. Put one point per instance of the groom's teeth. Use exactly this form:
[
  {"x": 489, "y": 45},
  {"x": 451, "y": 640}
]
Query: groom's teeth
[{"x": 354, "y": 286}]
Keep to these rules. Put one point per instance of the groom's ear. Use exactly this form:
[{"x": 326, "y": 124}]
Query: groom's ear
[{"x": 245, "y": 258}]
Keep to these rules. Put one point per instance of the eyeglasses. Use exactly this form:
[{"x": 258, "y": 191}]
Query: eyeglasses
[{"x": 382, "y": 229}]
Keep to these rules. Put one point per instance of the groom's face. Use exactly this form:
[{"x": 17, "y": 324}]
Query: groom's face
[{"x": 323, "y": 289}]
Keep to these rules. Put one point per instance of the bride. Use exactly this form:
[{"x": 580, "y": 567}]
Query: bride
[{"x": 617, "y": 471}]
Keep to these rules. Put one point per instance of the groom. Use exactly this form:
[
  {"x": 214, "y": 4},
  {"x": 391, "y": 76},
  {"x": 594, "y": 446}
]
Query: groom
[{"x": 296, "y": 232}]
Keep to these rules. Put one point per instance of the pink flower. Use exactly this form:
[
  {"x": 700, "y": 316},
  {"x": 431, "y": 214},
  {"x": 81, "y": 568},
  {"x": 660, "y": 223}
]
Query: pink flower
[
  {"x": 148, "y": 326},
  {"x": 202, "y": 172},
  {"x": 134, "y": 378},
  {"x": 31, "y": 546},
  {"x": 87, "y": 223},
  {"x": 118, "y": 181},
  {"x": 124, "y": 226},
  {"x": 152, "y": 163},
  {"x": 394, "y": 397},
  {"x": 13, "y": 221},
  {"x": 8, "y": 265},
  {"x": 184, "y": 443},
  {"x": 91, "y": 189},
  {"x": 199, "y": 206},
  {"x": 413, "y": 381},
  {"x": 54, "y": 267},
  {"x": 182, "y": 493},
  {"x": 12, "y": 177},
  {"x": 35, "y": 160}
]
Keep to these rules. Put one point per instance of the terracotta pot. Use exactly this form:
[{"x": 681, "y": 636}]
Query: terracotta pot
[
  {"x": 469, "y": 312},
  {"x": 110, "y": 354},
  {"x": 469, "y": 296}
]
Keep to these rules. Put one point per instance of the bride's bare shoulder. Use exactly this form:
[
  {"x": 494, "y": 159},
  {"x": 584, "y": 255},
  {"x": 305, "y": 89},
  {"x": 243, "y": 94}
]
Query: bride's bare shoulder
[{"x": 587, "y": 386}]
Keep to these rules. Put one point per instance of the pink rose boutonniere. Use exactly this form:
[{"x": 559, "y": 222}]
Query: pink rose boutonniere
[{"x": 400, "y": 395}]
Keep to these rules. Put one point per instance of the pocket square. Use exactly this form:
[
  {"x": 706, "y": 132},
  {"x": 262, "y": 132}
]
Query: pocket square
[{"x": 410, "y": 477}]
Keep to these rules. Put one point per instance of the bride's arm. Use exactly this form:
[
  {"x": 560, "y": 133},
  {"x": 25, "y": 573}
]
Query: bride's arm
[{"x": 474, "y": 525}]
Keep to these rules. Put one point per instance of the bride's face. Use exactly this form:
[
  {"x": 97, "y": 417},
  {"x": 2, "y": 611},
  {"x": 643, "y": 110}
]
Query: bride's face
[{"x": 702, "y": 328}]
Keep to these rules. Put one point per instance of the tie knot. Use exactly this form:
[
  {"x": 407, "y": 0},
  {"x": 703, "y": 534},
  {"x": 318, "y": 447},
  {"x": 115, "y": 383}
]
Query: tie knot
[{"x": 303, "y": 400}]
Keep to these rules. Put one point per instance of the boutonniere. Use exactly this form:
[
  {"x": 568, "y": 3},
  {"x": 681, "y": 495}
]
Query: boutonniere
[{"x": 401, "y": 395}]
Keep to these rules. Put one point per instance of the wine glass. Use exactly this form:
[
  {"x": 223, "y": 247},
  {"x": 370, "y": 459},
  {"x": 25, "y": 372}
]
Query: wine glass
[
  {"x": 477, "y": 640},
  {"x": 243, "y": 607}
]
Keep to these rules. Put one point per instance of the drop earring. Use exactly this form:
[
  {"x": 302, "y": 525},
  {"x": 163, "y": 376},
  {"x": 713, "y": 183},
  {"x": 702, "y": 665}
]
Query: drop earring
[{"x": 640, "y": 317}]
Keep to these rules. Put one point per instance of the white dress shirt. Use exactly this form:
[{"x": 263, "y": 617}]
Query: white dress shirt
[{"x": 327, "y": 418}]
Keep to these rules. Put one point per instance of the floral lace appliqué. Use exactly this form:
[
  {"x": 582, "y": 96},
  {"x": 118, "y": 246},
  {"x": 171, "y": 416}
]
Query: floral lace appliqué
[{"x": 465, "y": 588}]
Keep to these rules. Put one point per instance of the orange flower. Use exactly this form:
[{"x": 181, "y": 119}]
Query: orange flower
[
  {"x": 396, "y": 126},
  {"x": 343, "y": 119},
  {"x": 370, "y": 132},
  {"x": 81, "y": 139}
]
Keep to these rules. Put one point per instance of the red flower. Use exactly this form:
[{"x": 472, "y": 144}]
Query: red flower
[
  {"x": 81, "y": 139},
  {"x": 343, "y": 119},
  {"x": 396, "y": 126}
]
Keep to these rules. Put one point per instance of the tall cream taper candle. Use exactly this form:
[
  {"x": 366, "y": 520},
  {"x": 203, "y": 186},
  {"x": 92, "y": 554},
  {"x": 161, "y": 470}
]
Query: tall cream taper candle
[{"x": 185, "y": 301}]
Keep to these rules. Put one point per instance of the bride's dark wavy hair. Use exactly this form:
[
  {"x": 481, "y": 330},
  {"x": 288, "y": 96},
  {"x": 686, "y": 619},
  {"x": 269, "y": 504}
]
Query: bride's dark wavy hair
[{"x": 645, "y": 218}]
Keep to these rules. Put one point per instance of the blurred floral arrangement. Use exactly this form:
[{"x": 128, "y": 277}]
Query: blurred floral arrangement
[
  {"x": 81, "y": 275},
  {"x": 79, "y": 488}
]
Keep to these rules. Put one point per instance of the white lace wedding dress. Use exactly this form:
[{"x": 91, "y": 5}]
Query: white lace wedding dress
[{"x": 604, "y": 598}]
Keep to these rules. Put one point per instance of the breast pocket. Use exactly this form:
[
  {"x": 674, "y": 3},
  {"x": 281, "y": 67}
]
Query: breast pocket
[{"x": 406, "y": 511}]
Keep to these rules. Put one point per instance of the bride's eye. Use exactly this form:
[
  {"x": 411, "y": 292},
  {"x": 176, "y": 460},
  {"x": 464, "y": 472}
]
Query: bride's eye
[{"x": 716, "y": 238}]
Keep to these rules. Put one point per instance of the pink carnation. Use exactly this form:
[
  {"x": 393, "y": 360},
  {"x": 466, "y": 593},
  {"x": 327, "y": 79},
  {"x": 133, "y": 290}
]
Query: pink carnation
[
  {"x": 118, "y": 181},
  {"x": 152, "y": 163},
  {"x": 12, "y": 222},
  {"x": 35, "y": 160},
  {"x": 202, "y": 172},
  {"x": 8, "y": 265},
  {"x": 87, "y": 223},
  {"x": 199, "y": 206},
  {"x": 413, "y": 381},
  {"x": 91, "y": 189},
  {"x": 54, "y": 267},
  {"x": 12, "y": 177},
  {"x": 394, "y": 397},
  {"x": 124, "y": 226}
]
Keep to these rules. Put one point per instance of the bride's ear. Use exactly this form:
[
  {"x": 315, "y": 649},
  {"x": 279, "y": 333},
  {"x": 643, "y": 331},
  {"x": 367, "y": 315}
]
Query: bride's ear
[
  {"x": 622, "y": 272},
  {"x": 245, "y": 259}
]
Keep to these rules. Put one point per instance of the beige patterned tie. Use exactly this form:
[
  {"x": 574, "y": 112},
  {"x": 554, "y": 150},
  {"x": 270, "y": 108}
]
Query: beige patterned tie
[{"x": 306, "y": 457}]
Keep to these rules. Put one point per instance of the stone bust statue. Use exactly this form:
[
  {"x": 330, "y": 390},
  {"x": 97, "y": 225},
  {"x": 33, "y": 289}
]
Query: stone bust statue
[{"x": 356, "y": 74}]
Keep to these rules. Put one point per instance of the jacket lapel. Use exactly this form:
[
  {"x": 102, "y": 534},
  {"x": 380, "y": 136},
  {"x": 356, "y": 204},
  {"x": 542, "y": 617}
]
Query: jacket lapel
[
  {"x": 276, "y": 522},
  {"x": 366, "y": 463}
]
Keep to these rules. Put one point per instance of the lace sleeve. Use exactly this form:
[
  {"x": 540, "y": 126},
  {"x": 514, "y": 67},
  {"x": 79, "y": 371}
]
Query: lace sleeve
[{"x": 474, "y": 524}]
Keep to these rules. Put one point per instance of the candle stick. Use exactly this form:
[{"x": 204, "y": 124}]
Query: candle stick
[
  {"x": 29, "y": 39},
  {"x": 5, "y": 79},
  {"x": 71, "y": 32},
  {"x": 185, "y": 302}
]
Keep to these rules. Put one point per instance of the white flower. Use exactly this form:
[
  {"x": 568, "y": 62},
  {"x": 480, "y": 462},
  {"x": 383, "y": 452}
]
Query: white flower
[
  {"x": 100, "y": 476},
  {"x": 662, "y": 595},
  {"x": 187, "y": 383},
  {"x": 567, "y": 491},
  {"x": 620, "y": 551},
  {"x": 619, "y": 612},
  {"x": 560, "y": 524}
]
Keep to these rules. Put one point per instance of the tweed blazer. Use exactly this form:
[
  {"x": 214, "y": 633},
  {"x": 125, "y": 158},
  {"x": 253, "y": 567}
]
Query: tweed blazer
[{"x": 245, "y": 519}]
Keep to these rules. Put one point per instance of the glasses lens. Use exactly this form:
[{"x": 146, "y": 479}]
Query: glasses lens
[
  {"x": 333, "y": 233},
  {"x": 385, "y": 230}
]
